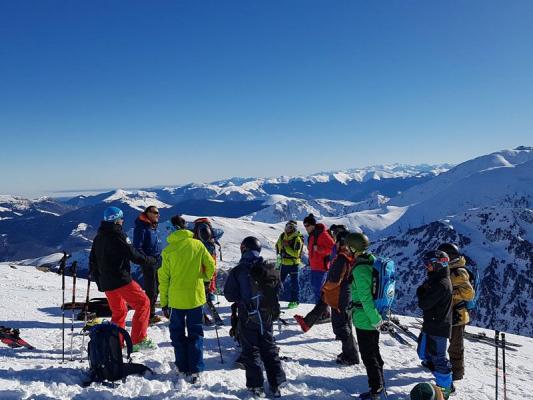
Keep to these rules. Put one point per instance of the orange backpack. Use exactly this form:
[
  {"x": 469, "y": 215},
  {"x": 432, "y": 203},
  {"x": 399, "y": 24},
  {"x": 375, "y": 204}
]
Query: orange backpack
[{"x": 331, "y": 290}]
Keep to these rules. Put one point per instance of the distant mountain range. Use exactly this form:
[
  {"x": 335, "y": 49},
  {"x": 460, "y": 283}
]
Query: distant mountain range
[{"x": 484, "y": 205}]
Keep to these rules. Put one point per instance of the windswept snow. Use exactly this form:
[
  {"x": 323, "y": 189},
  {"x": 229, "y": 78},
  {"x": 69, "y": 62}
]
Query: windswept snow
[{"x": 31, "y": 302}]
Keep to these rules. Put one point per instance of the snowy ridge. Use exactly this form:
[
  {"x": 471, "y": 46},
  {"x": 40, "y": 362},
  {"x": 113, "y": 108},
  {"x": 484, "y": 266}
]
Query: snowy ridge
[
  {"x": 138, "y": 199},
  {"x": 31, "y": 303},
  {"x": 497, "y": 242}
]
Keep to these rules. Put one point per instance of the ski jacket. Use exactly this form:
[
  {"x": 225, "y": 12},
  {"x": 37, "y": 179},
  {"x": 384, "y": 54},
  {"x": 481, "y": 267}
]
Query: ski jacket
[
  {"x": 365, "y": 315},
  {"x": 109, "y": 261},
  {"x": 319, "y": 245},
  {"x": 338, "y": 282},
  {"x": 290, "y": 248},
  {"x": 146, "y": 237},
  {"x": 186, "y": 266},
  {"x": 238, "y": 287},
  {"x": 435, "y": 300},
  {"x": 462, "y": 291}
]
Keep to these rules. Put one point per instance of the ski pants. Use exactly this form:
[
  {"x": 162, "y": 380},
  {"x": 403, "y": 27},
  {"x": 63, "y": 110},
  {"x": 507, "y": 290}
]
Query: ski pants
[
  {"x": 456, "y": 351},
  {"x": 257, "y": 347},
  {"x": 292, "y": 271},
  {"x": 188, "y": 350},
  {"x": 151, "y": 286},
  {"x": 369, "y": 347},
  {"x": 342, "y": 328},
  {"x": 433, "y": 350},
  {"x": 132, "y": 295},
  {"x": 317, "y": 280},
  {"x": 316, "y": 313}
]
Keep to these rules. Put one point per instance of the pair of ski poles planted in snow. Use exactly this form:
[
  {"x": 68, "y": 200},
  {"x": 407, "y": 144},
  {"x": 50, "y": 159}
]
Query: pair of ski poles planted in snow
[
  {"x": 497, "y": 342},
  {"x": 73, "y": 269}
]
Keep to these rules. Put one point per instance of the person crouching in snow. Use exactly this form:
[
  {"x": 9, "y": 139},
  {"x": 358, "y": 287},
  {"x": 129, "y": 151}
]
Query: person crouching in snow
[
  {"x": 254, "y": 285},
  {"x": 186, "y": 266},
  {"x": 109, "y": 265},
  {"x": 435, "y": 300}
]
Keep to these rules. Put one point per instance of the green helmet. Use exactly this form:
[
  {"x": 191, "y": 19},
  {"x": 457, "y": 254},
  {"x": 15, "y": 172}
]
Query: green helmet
[
  {"x": 357, "y": 242},
  {"x": 424, "y": 391}
]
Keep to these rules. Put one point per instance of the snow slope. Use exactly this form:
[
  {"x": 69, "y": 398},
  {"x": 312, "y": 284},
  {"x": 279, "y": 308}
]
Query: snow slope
[{"x": 31, "y": 302}]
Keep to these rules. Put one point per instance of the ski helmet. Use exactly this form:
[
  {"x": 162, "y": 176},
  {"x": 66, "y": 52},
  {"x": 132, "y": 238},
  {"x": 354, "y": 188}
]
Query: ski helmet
[
  {"x": 112, "y": 214},
  {"x": 436, "y": 259},
  {"x": 291, "y": 226},
  {"x": 357, "y": 242},
  {"x": 251, "y": 243},
  {"x": 451, "y": 249},
  {"x": 424, "y": 391}
]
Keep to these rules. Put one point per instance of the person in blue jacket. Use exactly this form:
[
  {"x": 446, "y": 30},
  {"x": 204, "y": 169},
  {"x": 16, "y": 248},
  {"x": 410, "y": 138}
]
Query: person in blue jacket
[
  {"x": 146, "y": 240},
  {"x": 257, "y": 308}
]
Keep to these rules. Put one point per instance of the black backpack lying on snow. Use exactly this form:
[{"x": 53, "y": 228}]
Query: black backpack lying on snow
[{"x": 105, "y": 355}]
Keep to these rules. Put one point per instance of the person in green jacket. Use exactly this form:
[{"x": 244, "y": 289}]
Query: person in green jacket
[
  {"x": 366, "y": 318},
  {"x": 186, "y": 266},
  {"x": 289, "y": 249}
]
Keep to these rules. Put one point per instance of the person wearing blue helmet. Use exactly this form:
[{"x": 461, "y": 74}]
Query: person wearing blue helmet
[{"x": 109, "y": 265}]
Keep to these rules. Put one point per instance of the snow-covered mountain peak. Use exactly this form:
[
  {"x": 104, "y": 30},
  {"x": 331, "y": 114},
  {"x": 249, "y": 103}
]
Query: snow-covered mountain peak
[{"x": 136, "y": 199}]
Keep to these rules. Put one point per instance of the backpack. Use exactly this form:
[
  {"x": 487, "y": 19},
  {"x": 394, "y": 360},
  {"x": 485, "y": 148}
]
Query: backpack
[
  {"x": 473, "y": 277},
  {"x": 383, "y": 284},
  {"x": 331, "y": 290},
  {"x": 265, "y": 283},
  {"x": 105, "y": 354}
]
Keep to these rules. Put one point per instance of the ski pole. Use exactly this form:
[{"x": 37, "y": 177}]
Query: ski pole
[
  {"x": 73, "y": 269},
  {"x": 62, "y": 272},
  {"x": 218, "y": 341},
  {"x": 85, "y": 312},
  {"x": 496, "y": 345},
  {"x": 504, "y": 372}
]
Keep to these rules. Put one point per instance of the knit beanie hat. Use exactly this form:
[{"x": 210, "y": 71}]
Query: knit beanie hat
[{"x": 310, "y": 220}]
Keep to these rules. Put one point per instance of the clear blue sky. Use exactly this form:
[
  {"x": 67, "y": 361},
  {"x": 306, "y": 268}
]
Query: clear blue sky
[{"x": 100, "y": 94}]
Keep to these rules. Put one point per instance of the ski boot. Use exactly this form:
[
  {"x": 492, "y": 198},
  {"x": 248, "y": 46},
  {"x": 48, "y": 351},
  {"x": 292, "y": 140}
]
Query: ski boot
[
  {"x": 343, "y": 360},
  {"x": 381, "y": 395},
  {"x": 257, "y": 392},
  {"x": 301, "y": 322},
  {"x": 193, "y": 378},
  {"x": 292, "y": 305},
  {"x": 145, "y": 344},
  {"x": 275, "y": 392}
]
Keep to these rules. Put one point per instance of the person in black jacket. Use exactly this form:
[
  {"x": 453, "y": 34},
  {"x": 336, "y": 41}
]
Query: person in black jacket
[
  {"x": 109, "y": 265},
  {"x": 256, "y": 308},
  {"x": 435, "y": 300}
]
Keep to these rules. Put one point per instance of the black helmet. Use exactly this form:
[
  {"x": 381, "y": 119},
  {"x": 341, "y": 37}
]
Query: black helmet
[
  {"x": 357, "y": 242},
  {"x": 340, "y": 237},
  {"x": 451, "y": 249},
  {"x": 251, "y": 243},
  {"x": 436, "y": 258}
]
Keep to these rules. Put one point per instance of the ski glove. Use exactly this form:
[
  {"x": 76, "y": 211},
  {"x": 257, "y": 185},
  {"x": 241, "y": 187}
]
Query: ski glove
[{"x": 166, "y": 312}]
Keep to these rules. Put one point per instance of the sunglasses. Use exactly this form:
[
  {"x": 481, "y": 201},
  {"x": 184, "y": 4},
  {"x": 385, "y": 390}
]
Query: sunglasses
[
  {"x": 154, "y": 212},
  {"x": 306, "y": 225}
]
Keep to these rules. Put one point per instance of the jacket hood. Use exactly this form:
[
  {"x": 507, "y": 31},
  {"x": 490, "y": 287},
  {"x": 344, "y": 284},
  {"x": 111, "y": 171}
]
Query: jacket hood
[
  {"x": 458, "y": 263},
  {"x": 177, "y": 236},
  {"x": 250, "y": 255},
  {"x": 110, "y": 227},
  {"x": 142, "y": 220}
]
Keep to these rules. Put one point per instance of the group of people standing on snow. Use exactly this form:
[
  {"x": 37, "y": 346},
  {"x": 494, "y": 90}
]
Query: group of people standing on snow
[{"x": 341, "y": 275}]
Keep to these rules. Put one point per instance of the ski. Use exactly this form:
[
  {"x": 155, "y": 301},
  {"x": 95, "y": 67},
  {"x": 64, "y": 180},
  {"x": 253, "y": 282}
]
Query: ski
[
  {"x": 482, "y": 337},
  {"x": 11, "y": 337},
  {"x": 390, "y": 329},
  {"x": 214, "y": 313},
  {"x": 405, "y": 330}
]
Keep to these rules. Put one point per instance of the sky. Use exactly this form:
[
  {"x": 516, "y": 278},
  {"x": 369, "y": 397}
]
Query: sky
[{"x": 108, "y": 94}]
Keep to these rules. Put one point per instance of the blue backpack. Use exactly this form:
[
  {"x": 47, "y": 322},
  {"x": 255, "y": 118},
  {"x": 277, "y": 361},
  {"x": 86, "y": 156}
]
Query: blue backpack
[
  {"x": 383, "y": 285},
  {"x": 105, "y": 354},
  {"x": 473, "y": 277}
]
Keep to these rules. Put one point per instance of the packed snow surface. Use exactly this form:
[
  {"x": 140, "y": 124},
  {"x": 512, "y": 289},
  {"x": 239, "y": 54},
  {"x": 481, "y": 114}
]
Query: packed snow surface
[{"x": 31, "y": 302}]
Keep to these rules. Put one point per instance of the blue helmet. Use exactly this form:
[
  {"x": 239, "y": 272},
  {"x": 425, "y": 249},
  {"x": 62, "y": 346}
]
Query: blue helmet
[{"x": 112, "y": 214}]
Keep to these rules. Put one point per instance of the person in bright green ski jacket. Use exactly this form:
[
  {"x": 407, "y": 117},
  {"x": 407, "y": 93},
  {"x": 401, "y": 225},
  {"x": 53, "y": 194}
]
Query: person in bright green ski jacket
[
  {"x": 289, "y": 249},
  {"x": 186, "y": 266},
  {"x": 365, "y": 317}
]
